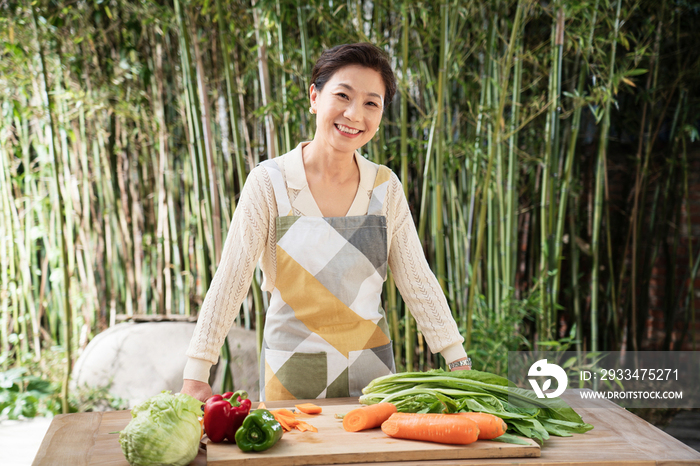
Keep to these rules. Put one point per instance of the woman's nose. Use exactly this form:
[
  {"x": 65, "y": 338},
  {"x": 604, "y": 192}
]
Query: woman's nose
[{"x": 353, "y": 111}]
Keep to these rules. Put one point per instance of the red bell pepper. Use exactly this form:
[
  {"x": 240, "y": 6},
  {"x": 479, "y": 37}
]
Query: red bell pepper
[{"x": 224, "y": 414}]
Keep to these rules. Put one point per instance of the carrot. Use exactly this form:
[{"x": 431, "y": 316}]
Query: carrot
[
  {"x": 368, "y": 417},
  {"x": 490, "y": 426},
  {"x": 283, "y": 423},
  {"x": 440, "y": 428},
  {"x": 289, "y": 421},
  {"x": 280, "y": 415},
  {"x": 309, "y": 408},
  {"x": 283, "y": 411},
  {"x": 304, "y": 426},
  {"x": 262, "y": 406}
]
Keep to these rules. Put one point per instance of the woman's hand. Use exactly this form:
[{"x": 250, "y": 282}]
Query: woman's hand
[{"x": 196, "y": 389}]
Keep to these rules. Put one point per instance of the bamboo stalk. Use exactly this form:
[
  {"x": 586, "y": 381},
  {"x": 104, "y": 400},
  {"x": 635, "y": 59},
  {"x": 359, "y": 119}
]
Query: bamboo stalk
[
  {"x": 305, "y": 123},
  {"x": 231, "y": 92},
  {"x": 163, "y": 215},
  {"x": 423, "y": 217},
  {"x": 404, "y": 90},
  {"x": 439, "y": 155},
  {"x": 575, "y": 255},
  {"x": 265, "y": 89},
  {"x": 640, "y": 187},
  {"x": 600, "y": 169},
  {"x": 471, "y": 272},
  {"x": 404, "y": 87},
  {"x": 121, "y": 160},
  {"x": 568, "y": 170},
  {"x": 210, "y": 169},
  {"x": 24, "y": 255},
  {"x": 491, "y": 259},
  {"x": 549, "y": 175},
  {"x": 690, "y": 307},
  {"x": 6, "y": 240},
  {"x": 510, "y": 248},
  {"x": 24, "y": 244},
  {"x": 85, "y": 229},
  {"x": 287, "y": 143},
  {"x": 68, "y": 317}
]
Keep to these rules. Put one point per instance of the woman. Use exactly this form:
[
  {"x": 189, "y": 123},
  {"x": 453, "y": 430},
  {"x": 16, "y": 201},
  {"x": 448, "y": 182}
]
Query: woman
[{"x": 327, "y": 223}]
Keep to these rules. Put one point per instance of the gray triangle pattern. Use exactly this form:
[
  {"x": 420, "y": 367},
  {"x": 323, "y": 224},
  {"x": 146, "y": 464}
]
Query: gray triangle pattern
[
  {"x": 345, "y": 273},
  {"x": 368, "y": 234}
]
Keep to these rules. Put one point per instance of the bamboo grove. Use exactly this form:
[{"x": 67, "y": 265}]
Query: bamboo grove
[{"x": 545, "y": 149}]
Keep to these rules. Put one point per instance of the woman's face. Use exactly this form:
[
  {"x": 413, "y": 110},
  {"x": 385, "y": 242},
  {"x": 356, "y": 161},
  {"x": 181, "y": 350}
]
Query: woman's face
[{"x": 349, "y": 108}]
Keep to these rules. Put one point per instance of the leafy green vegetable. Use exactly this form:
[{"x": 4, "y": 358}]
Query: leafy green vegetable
[
  {"x": 439, "y": 391},
  {"x": 510, "y": 438},
  {"x": 165, "y": 430}
]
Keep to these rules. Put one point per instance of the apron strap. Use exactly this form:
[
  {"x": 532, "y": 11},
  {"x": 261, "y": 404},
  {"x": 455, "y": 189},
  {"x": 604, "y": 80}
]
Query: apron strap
[
  {"x": 381, "y": 185},
  {"x": 284, "y": 206}
]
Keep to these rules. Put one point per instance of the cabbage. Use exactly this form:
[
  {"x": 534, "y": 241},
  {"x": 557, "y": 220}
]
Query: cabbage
[{"x": 165, "y": 430}]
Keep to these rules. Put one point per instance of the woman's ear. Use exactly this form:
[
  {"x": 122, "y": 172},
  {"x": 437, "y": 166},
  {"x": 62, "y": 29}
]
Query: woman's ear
[{"x": 313, "y": 95}]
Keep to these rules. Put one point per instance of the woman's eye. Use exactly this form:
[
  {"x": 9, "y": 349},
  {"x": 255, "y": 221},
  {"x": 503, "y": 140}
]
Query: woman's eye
[
  {"x": 340, "y": 94},
  {"x": 373, "y": 103}
]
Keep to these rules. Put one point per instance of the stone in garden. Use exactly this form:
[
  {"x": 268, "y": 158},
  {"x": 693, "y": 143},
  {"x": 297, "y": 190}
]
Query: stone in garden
[{"x": 135, "y": 361}]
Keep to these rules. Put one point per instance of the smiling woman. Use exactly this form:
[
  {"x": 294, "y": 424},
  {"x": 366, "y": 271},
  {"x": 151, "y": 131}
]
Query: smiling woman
[{"x": 326, "y": 224}]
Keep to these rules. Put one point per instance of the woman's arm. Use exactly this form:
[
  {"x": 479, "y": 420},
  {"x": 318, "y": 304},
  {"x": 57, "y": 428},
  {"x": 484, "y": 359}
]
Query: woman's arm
[
  {"x": 246, "y": 239},
  {"x": 416, "y": 282}
]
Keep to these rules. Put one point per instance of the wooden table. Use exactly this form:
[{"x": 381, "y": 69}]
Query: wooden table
[{"x": 619, "y": 439}]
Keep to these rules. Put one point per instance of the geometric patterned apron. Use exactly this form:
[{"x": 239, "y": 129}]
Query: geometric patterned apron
[{"x": 326, "y": 334}]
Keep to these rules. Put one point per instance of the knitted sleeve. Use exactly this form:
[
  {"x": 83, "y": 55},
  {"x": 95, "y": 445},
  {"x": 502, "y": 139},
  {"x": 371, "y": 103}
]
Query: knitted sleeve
[
  {"x": 415, "y": 280},
  {"x": 247, "y": 237}
]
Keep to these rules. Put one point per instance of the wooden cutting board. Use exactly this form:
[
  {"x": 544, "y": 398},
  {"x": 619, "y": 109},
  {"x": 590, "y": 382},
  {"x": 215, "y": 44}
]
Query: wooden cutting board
[{"x": 333, "y": 445}]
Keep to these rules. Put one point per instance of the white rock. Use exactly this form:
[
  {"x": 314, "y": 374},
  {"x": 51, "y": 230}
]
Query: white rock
[{"x": 135, "y": 361}]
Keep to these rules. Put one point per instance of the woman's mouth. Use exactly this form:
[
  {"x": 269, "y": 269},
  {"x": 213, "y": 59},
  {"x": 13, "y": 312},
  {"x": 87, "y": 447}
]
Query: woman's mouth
[{"x": 347, "y": 131}]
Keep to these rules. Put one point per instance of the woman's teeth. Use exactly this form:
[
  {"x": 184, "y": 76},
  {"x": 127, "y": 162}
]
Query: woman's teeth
[{"x": 345, "y": 129}]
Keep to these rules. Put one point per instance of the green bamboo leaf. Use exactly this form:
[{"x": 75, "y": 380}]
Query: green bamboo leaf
[{"x": 692, "y": 132}]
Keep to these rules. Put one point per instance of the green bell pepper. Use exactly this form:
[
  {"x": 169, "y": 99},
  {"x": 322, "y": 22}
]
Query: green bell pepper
[{"x": 260, "y": 431}]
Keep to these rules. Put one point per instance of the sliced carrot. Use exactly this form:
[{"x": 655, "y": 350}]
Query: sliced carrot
[
  {"x": 306, "y": 426},
  {"x": 490, "y": 426},
  {"x": 440, "y": 428},
  {"x": 284, "y": 412},
  {"x": 284, "y": 425},
  {"x": 368, "y": 417},
  {"x": 308, "y": 408},
  {"x": 289, "y": 420},
  {"x": 262, "y": 406}
]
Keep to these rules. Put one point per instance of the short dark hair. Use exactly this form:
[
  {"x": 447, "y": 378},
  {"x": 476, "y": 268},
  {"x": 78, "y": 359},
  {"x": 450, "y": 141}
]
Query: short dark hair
[{"x": 363, "y": 54}]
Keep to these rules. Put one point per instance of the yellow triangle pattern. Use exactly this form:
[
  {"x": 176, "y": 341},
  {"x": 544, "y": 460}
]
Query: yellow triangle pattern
[
  {"x": 383, "y": 175},
  {"x": 378, "y": 338},
  {"x": 274, "y": 389},
  {"x": 321, "y": 311}
]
